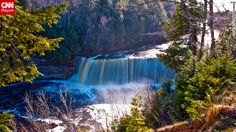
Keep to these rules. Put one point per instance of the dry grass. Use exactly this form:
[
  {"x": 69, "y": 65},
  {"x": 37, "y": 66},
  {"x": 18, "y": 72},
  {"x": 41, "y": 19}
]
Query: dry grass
[
  {"x": 212, "y": 113},
  {"x": 42, "y": 107}
]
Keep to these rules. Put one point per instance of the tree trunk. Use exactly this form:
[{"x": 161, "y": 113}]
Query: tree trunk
[
  {"x": 203, "y": 29},
  {"x": 211, "y": 25},
  {"x": 192, "y": 29}
]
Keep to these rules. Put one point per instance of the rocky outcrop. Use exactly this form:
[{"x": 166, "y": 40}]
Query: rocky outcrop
[{"x": 54, "y": 72}]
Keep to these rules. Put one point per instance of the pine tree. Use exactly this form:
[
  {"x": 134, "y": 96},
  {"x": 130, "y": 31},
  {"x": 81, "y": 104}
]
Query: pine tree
[
  {"x": 6, "y": 122},
  {"x": 20, "y": 40},
  {"x": 177, "y": 26},
  {"x": 201, "y": 81}
]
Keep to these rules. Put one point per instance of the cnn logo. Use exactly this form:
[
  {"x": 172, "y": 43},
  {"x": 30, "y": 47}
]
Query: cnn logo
[{"x": 7, "y": 7}]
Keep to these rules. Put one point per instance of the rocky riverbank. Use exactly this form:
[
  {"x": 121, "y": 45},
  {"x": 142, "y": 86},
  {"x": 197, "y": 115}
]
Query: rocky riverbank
[{"x": 54, "y": 72}]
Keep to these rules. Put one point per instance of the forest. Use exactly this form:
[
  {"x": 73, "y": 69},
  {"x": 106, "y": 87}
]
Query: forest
[{"x": 118, "y": 66}]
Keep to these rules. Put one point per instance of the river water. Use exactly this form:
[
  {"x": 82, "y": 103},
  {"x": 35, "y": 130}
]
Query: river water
[{"x": 97, "y": 80}]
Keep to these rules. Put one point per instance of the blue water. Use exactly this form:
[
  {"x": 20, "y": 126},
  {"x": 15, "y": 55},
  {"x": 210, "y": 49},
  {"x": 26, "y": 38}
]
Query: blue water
[{"x": 95, "y": 81}]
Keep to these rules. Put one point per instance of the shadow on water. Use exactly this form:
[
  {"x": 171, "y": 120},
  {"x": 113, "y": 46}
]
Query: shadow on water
[{"x": 12, "y": 98}]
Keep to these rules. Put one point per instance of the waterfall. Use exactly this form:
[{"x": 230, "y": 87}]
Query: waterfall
[
  {"x": 94, "y": 71},
  {"x": 97, "y": 80}
]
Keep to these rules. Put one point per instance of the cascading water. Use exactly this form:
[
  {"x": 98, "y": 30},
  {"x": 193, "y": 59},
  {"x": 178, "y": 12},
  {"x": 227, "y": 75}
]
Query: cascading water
[
  {"x": 119, "y": 71},
  {"x": 97, "y": 80},
  {"x": 118, "y": 80}
]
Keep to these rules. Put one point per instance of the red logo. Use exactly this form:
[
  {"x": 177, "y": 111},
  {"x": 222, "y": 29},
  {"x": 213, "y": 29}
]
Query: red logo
[{"x": 7, "y": 7}]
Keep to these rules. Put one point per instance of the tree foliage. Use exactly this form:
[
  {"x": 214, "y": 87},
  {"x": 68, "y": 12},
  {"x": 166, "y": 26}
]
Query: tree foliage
[
  {"x": 200, "y": 81},
  {"x": 177, "y": 30},
  {"x": 177, "y": 26},
  {"x": 6, "y": 122},
  {"x": 20, "y": 40},
  {"x": 176, "y": 55},
  {"x": 134, "y": 122},
  {"x": 90, "y": 26},
  {"x": 69, "y": 28}
]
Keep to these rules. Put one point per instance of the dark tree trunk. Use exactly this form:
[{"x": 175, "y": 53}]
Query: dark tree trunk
[
  {"x": 192, "y": 28},
  {"x": 203, "y": 29},
  {"x": 211, "y": 25}
]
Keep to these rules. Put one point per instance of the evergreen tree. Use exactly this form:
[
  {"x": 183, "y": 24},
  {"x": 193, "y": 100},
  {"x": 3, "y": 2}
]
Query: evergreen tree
[
  {"x": 201, "y": 81},
  {"x": 20, "y": 40},
  {"x": 134, "y": 122},
  {"x": 183, "y": 33},
  {"x": 177, "y": 26},
  {"x": 6, "y": 122},
  {"x": 69, "y": 28}
]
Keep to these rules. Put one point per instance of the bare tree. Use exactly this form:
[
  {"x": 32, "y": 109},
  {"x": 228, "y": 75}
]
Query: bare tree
[
  {"x": 41, "y": 107},
  {"x": 203, "y": 28},
  {"x": 211, "y": 25}
]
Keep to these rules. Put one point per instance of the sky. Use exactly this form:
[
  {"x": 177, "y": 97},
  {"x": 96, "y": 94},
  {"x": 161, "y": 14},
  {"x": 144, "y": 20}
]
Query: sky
[{"x": 220, "y": 3}]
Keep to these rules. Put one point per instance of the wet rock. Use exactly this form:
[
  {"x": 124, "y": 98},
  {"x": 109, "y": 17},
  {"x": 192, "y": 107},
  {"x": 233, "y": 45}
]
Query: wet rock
[{"x": 53, "y": 72}]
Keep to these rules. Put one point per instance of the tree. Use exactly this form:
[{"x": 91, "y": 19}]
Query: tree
[
  {"x": 176, "y": 29},
  {"x": 134, "y": 122},
  {"x": 226, "y": 42},
  {"x": 177, "y": 26},
  {"x": 20, "y": 40},
  {"x": 200, "y": 81},
  {"x": 160, "y": 109},
  {"x": 211, "y": 25},
  {"x": 69, "y": 28},
  {"x": 176, "y": 55},
  {"x": 203, "y": 30},
  {"x": 6, "y": 122}
]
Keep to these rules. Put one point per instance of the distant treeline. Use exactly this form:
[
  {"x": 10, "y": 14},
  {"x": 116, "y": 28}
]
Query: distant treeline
[{"x": 104, "y": 25}]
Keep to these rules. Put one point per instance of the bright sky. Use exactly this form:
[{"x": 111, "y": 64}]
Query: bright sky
[{"x": 221, "y": 4}]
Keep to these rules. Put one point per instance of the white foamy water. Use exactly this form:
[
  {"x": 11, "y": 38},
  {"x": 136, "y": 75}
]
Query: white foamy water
[
  {"x": 93, "y": 118},
  {"x": 150, "y": 53},
  {"x": 109, "y": 93}
]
